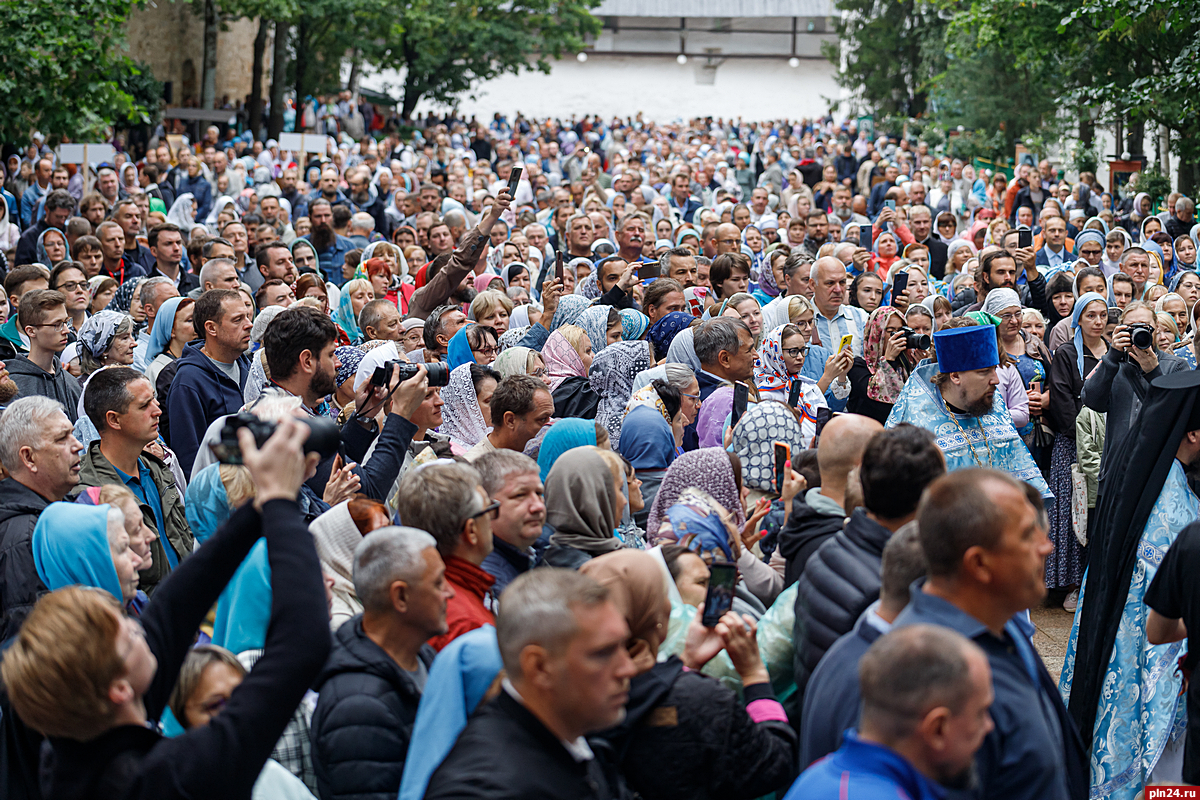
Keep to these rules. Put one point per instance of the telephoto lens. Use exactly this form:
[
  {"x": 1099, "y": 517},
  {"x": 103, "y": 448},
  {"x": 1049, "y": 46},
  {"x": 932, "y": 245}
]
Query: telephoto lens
[
  {"x": 1142, "y": 335},
  {"x": 323, "y": 436},
  {"x": 914, "y": 340},
  {"x": 437, "y": 374}
]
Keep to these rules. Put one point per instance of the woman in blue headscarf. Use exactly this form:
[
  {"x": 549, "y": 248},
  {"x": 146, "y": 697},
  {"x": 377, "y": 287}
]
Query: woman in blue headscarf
[
  {"x": 472, "y": 344},
  {"x": 458, "y": 351},
  {"x": 459, "y": 679},
  {"x": 346, "y": 317},
  {"x": 171, "y": 332},
  {"x": 664, "y": 330},
  {"x": 1072, "y": 363},
  {"x": 564, "y": 435},
  {"x": 87, "y": 545}
]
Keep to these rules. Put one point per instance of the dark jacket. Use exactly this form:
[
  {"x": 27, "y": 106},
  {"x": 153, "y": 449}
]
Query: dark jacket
[
  {"x": 938, "y": 252},
  {"x": 224, "y": 757},
  {"x": 840, "y": 580},
  {"x": 506, "y": 752},
  {"x": 558, "y": 555},
  {"x": 33, "y": 380},
  {"x": 439, "y": 288},
  {"x": 20, "y": 586},
  {"x": 27, "y": 244},
  {"x": 96, "y": 470},
  {"x": 201, "y": 191},
  {"x": 575, "y": 397},
  {"x": 364, "y": 718},
  {"x": 687, "y": 737},
  {"x": 187, "y": 280},
  {"x": 806, "y": 530},
  {"x": 832, "y": 704},
  {"x": 199, "y": 394}
]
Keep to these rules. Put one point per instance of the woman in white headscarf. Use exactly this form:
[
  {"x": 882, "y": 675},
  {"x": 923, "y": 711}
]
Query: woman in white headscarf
[
  {"x": 181, "y": 212},
  {"x": 223, "y": 203}
]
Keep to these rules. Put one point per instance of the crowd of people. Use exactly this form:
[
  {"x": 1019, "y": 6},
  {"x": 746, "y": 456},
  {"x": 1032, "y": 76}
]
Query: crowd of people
[{"x": 402, "y": 470}]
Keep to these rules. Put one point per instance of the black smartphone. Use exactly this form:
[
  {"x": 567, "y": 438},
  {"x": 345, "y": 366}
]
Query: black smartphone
[
  {"x": 1024, "y": 237},
  {"x": 558, "y": 267},
  {"x": 794, "y": 393},
  {"x": 648, "y": 270},
  {"x": 514, "y": 178},
  {"x": 741, "y": 396},
  {"x": 864, "y": 237},
  {"x": 722, "y": 580},
  {"x": 899, "y": 284},
  {"x": 783, "y": 454}
]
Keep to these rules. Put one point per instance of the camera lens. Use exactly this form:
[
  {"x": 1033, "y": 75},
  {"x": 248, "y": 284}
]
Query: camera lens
[{"x": 1142, "y": 337}]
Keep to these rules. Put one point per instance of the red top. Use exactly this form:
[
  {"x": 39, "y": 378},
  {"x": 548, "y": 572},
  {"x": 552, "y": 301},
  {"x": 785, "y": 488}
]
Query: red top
[{"x": 466, "y": 610}]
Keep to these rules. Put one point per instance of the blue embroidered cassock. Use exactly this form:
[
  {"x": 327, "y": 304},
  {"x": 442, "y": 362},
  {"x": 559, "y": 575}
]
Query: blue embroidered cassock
[
  {"x": 1141, "y": 708},
  {"x": 973, "y": 440}
]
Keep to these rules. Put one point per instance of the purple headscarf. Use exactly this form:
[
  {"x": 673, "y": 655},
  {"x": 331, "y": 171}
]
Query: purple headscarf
[
  {"x": 710, "y": 423},
  {"x": 707, "y": 469}
]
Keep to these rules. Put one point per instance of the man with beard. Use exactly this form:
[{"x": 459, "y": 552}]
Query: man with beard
[
  {"x": 331, "y": 248},
  {"x": 300, "y": 348},
  {"x": 926, "y": 691},
  {"x": 985, "y": 544},
  {"x": 955, "y": 398},
  {"x": 365, "y": 198},
  {"x": 287, "y": 190},
  {"x": 816, "y": 231},
  {"x": 327, "y": 190}
]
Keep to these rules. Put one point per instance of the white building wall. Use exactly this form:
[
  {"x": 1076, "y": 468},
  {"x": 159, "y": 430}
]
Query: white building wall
[{"x": 658, "y": 87}]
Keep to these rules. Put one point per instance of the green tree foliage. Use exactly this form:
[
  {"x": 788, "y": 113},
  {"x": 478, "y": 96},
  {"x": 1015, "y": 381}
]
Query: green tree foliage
[
  {"x": 444, "y": 48},
  {"x": 64, "y": 72},
  {"x": 892, "y": 50}
]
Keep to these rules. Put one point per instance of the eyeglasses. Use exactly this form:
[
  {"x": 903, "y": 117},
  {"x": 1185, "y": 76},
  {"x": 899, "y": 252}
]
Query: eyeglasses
[
  {"x": 72, "y": 286},
  {"x": 1009, "y": 316},
  {"x": 62, "y": 325},
  {"x": 793, "y": 352},
  {"x": 485, "y": 351},
  {"x": 540, "y": 372},
  {"x": 492, "y": 509},
  {"x": 689, "y": 396},
  {"x": 726, "y": 241}
]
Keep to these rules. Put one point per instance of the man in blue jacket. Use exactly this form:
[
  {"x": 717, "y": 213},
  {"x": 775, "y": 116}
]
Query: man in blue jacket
[
  {"x": 211, "y": 374},
  {"x": 926, "y": 691},
  {"x": 195, "y": 183}
]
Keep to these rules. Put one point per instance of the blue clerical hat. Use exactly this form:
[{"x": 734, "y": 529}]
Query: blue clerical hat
[{"x": 965, "y": 349}]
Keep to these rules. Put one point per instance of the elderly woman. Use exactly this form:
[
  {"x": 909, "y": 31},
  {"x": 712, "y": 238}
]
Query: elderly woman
[
  {"x": 492, "y": 308},
  {"x": 106, "y": 339}
]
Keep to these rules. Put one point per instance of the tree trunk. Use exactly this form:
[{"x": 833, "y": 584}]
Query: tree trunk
[
  {"x": 208, "y": 84},
  {"x": 1087, "y": 129},
  {"x": 1164, "y": 150},
  {"x": 254, "y": 109},
  {"x": 278, "y": 76},
  {"x": 355, "y": 71},
  {"x": 301, "y": 69}
]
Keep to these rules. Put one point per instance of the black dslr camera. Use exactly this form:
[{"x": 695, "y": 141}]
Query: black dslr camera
[
  {"x": 914, "y": 340},
  {"x": 323, "y": 436},
  {"x": 438, "y": 374},
  {"x": 1142, "y": 335}
]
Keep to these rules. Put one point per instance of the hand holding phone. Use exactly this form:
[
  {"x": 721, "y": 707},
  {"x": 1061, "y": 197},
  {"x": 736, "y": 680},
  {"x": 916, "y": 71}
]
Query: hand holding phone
[
  {"x": 890, "y": 204},
  {"x": 1024, "y": 237},
  {"x": 899, "y": 284},
  {"x": 741, "y": 396},
  {"x": 558, "y": 266},
  {"x": 865, "y": 239},
  {"x": 846, "y": 342},
  {"x": 722, "y": 580},
  {"x": 514, "y": 177}
]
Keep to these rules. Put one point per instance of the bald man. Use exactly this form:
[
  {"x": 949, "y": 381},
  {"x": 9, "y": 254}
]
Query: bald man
[
  {"x": 729, "y": 238},
  {"x": 823, "y": 511}
]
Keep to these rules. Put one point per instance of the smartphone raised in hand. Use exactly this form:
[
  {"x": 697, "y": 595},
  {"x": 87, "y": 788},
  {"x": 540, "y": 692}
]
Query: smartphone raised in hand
[
  {"x": 1024, "y": 237},
  {"x": 558, "y": 267},
  {"x": 783, "y": 454},
  {"x": 899, "y": 284},
  {"x": 514, "y": 178},
  {"x": 741, "y": 396},
  {"x": 722, "y": 580},
  {"x": 865, "y": 240}
]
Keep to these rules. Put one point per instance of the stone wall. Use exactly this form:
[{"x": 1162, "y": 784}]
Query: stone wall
[{"x": 169, "y": 36}]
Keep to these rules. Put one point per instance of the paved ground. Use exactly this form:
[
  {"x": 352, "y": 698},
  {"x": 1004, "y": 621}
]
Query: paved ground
[{"x": 1053, "y": 629}]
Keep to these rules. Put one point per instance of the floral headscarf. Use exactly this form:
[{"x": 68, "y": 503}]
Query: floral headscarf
[
  {"x": 510, "y": 337},
  {"x": 770, "y": 371},
  {"x": 664, "y": 329},
  {"x": 612, "y": 377},
  {"x": 694, "y": 521},
  {"x": 594, "y": 321},
  {"x": 569, "y": 309},
  {"x": 886, "y": 381},
  {"x": 462, "y": 420},
  {"x": 98, "y": 331},
  {"x": 562, "y": 360},
  {"x": 588, "y": 288},
  {"x": 707, "y": 469},
  {"x": 633, "y": 324}
]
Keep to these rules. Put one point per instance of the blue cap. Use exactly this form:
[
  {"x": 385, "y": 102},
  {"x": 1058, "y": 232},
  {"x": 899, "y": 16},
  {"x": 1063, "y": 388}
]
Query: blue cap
[{"x": 966, "y": 349}]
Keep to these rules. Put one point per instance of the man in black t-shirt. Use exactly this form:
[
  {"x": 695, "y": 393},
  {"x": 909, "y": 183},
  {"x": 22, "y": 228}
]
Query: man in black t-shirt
[{"x": 1174, "y": 601}]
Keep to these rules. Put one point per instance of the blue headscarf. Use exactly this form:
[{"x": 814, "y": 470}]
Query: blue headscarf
[
  {"x": 207, "y": 505},
  {"x": 1085, "y": 235},
  {"x": 697, "y": 525},
  {"x": 1076, "y": 313},
  {"x": 564, "y": 435},
  {"x": 458, "y": 351},
  {"x": 646, "y": 439},
  {"x": 164, "y": 324},
  {"x": 633, "y": 324},
  {"x": 569, "y": 309},
  {"x": 70, "y": 546},
  {"x": 345, "y": 317},
  {"x": 244, "y": 608},
  {"x": 1179, "y": 276},
  {"x": 664, "y": 329},
  {"x": 594, "y": 322},
  {"x": 459, "y": 678}
]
